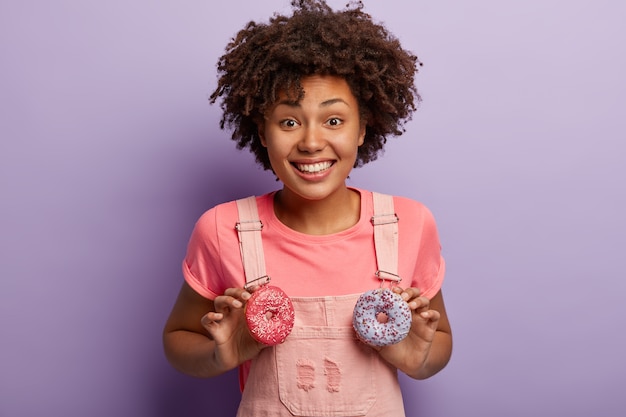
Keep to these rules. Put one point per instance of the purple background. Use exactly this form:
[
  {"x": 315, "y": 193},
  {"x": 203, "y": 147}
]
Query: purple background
[{"x": 110, "y": 151}]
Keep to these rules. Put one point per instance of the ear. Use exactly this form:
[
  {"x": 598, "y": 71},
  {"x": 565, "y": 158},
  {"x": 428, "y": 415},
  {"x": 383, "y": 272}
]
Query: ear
[
  {"x": 261, "y": 132},
  {"x": 362, "y": 133}
]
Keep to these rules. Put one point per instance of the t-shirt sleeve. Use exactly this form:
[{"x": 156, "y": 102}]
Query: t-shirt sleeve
[
  {"x": 431, "y": 265},
  {"x": 201, "y": 266},
  {"x": 421, "y": 244},
  {"x": 429, "y": 291}
]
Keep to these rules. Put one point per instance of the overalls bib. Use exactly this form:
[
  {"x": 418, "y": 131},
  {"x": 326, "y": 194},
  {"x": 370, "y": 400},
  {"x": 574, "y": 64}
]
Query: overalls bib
[{"x": 321, "y": 369}]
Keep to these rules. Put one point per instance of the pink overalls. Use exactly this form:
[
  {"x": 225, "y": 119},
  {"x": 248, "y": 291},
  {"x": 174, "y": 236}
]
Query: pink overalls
[{"x": 321, "y": 369}]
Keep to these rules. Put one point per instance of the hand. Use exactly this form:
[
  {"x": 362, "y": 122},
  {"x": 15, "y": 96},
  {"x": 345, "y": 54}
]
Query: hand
[
  {"x": 412, "y": 352},
  {"x": 227, "y": 327}
]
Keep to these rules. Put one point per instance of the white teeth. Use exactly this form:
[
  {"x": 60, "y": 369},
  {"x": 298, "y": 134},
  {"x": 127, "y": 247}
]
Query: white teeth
[{"x": 314, "y": 168}]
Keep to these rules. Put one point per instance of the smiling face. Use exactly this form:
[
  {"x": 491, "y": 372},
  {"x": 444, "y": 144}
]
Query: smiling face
[{"x": 312, "y": 144}]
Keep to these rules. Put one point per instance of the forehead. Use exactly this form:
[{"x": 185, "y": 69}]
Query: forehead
[{"x": 318, "y": 89}]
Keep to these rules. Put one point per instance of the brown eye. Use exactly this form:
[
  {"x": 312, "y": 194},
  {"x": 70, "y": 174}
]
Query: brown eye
[
  {"x": 288, "y": 123},
  {"x": 334, "y": 121}
]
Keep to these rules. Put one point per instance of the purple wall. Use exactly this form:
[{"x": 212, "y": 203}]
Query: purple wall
[{"x": 109, "y": 151}]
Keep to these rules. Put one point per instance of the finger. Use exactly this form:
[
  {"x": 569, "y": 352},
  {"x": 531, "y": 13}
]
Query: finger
[
  {"x": 232, "y": 298},
  {"x": 408, "y": 293},
  {"x": 397, "y": 290},
  {"x": 430, "y": 315},
  {"x": 253, "y": 288},
  {"x": 224, "y": 302},
  {"x": 210, "y": 321},
  {"x": 238, "y": 293},
  {"x": 419, "y": 304},
  {"x": 212, "y": 317}
]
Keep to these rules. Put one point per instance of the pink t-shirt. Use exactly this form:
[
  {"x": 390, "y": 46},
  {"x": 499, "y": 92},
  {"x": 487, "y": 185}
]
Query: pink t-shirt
[{"x": 312, "y": 266}]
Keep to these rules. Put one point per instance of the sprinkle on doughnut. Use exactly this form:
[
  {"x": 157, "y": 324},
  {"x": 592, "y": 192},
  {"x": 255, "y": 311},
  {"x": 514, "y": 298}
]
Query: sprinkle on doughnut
[
  {"x": 269, "y": 315},
  {"x": 375, "y": 332}
]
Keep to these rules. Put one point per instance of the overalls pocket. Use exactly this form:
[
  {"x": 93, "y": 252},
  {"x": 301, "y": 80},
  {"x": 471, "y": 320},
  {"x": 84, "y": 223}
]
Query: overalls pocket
[{"x": 325, "y": 371}]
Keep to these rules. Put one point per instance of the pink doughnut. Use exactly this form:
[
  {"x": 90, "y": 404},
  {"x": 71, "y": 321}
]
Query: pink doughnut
[
  {"x": 269, "y": 315},
  {"x": 381, "y": 332}
]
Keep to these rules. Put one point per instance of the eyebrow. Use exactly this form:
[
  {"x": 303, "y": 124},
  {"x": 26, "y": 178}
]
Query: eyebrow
[{"x": 325, "y": 103}]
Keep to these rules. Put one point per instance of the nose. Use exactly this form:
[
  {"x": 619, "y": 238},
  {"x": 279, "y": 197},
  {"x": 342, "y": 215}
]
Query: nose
[{"x": 312, "y": 140}]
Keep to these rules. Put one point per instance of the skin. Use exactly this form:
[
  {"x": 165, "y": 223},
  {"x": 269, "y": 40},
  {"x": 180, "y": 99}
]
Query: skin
[
  {"x": 312, "y": 146},
  {"x": 324, "y": 128}
]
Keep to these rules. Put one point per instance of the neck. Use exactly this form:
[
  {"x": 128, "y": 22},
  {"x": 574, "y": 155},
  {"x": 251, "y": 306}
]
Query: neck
[{"x": 333, "y": 214}]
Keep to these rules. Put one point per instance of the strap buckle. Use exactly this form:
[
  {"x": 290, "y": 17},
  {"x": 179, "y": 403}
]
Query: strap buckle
[
  {"x": 384, "y": 219},
  {"x": 265, "y": 278},
  {"x": 387, "y": 276},
  {"x": 249, "y": 226}
]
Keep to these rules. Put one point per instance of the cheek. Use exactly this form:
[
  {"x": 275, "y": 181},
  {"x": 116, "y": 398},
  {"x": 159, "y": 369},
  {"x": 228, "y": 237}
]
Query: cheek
[{"x": 276, "y": 154}]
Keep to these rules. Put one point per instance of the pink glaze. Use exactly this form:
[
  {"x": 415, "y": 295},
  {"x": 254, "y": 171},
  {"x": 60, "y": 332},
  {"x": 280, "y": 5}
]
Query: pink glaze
[{"x": 269, "y": 315}]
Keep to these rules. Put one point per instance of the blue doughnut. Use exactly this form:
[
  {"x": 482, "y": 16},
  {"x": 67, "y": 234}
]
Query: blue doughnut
[{"x": 365, "y": 317}]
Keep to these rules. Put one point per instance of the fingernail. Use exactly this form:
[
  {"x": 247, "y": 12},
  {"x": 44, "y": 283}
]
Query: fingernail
[{"x": 237, "y": 303}]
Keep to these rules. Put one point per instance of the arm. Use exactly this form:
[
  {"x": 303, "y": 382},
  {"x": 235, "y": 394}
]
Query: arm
[
  {"x": 206, "y": 338},
  {"x": 427, "y": 348}
]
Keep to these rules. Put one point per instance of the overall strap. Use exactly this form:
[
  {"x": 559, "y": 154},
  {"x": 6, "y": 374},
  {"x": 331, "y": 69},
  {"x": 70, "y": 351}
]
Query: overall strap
[
  {"x": 384, "y": 220},
  {"x": 385, "y": 223},
  {"x": 250, "y": 244}
]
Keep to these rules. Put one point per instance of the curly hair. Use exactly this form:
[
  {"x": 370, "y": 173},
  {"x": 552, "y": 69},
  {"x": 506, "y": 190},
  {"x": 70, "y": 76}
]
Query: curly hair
[{"x": 265, "y": 59}]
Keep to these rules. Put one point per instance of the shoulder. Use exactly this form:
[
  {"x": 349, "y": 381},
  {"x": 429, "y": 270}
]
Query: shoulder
[
  {"x": 225, "y": 215},
  {"x": 215, "y": 217},
  {"x": 410, "y": 207},
  {"x": 417, "y": 218},
  {"x": 406, "y": 207}
]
